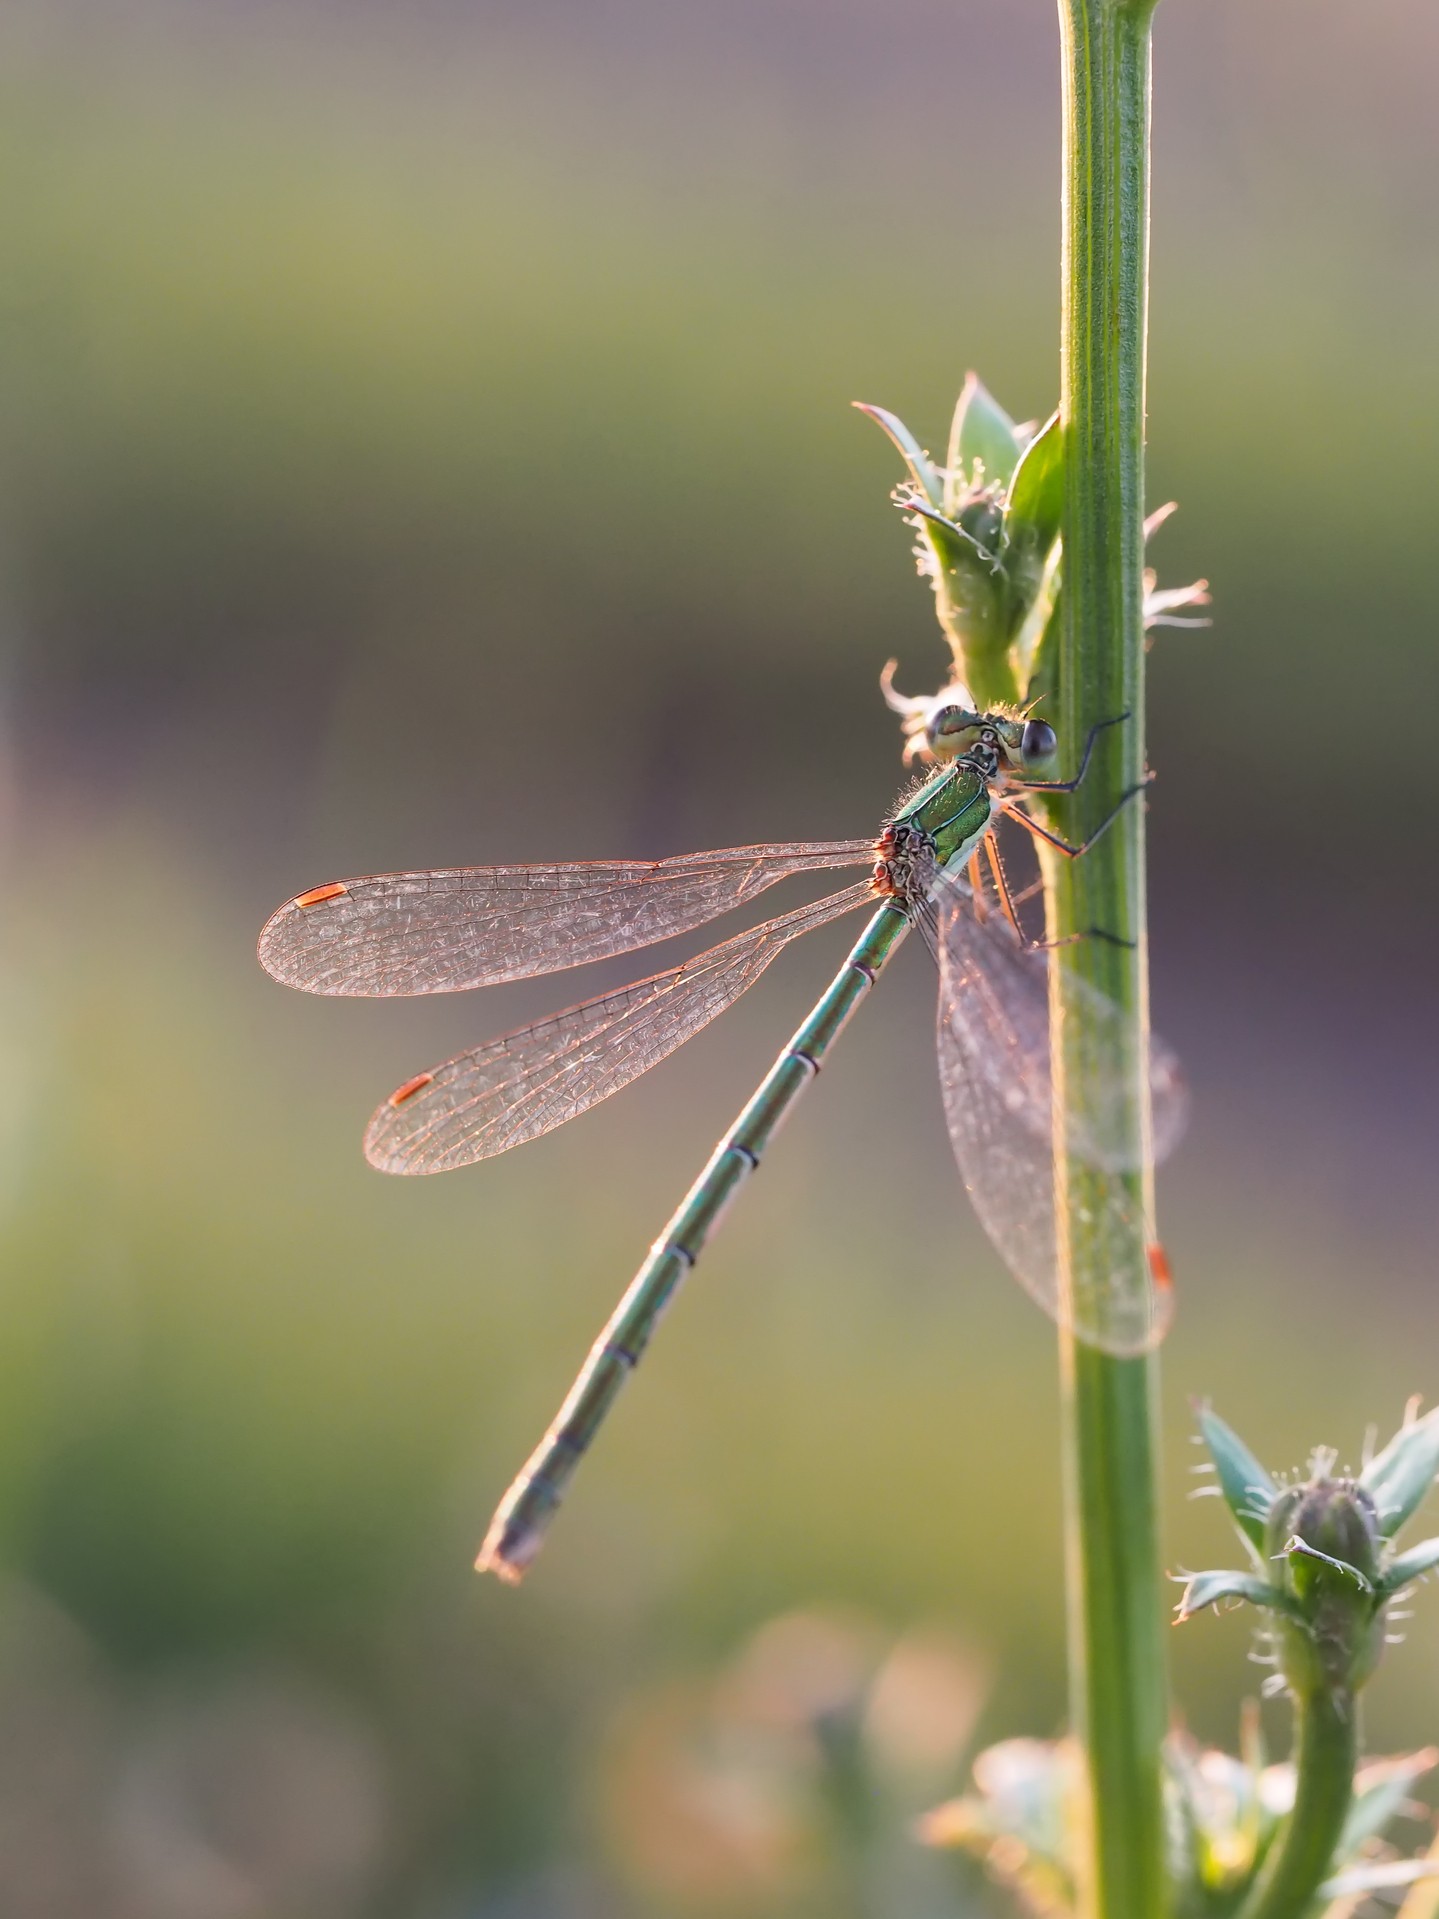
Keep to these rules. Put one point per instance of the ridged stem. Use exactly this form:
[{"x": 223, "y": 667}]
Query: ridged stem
[{"x": 1116, "y": 1597}]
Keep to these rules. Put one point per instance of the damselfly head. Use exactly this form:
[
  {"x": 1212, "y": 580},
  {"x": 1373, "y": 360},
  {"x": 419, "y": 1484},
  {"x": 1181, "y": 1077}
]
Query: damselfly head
[
  {"x": 1038, "y": 742},
  {"x": 946, "y": 725},
  {"x": 953, "y": 730},
  {"x": 1023, "y": 745},
  {"x": 937, "y": 726}
]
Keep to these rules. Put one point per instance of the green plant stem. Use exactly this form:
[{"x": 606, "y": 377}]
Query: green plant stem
[
  {"x": 1326, "y": 1750},
  {"x": 1116, "y": 1599}
]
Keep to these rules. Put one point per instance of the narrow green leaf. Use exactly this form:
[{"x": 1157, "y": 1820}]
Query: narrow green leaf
[
  {"x": 951, "y": 534},
  {"x": 1409, "y": 1565},
  {"x": 1248, "y": 1490},
  {"x": 921, "y": 468},
  {"x": 983, "y": 431},
  {"x": 1031, "y": 526},
  {"x": 1398, "y": 1478},
  {"x": 1380, "y": 1876},
  {"x": 1036, "y": 493},
  {"x": 1297, "y": 1548},
  {"x": 969, "y": 601},
  {"x": 1381, "y": 1792},
  {"x": 1207, "y": 1589},
  {"x": 967, "y": 566}
]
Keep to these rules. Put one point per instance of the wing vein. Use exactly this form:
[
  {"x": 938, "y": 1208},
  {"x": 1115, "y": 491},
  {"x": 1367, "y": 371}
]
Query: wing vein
[
  {"x": 459, "y": 927},
  {"x": 527, "y": 1082}
]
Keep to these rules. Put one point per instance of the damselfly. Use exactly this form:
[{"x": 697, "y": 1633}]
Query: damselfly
[{"x": 454, "y": 928}]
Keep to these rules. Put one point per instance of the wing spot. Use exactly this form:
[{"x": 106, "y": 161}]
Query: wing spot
[
  {"x": 318, "y": 894},
  {"x": 410, "y": 1088}
]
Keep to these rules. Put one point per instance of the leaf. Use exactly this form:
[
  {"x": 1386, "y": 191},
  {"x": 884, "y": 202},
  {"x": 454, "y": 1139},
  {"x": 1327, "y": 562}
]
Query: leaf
[
  {"x": 967, "y": 567},
  {"x": 922, "y": 469},
  {"x": 1422, "y": 1899},
  {"x": 1398, "y": 1478},
  {"x": 1215, "y": 1807},
  {"x": 1019, "y": 1819},
  {"x": 952, "y": 534},
  {"x": 969, "y": 592},
  {"x": 1409, "y": 1565},
  {"x": 1032, "y": 519},
  {"x": 1207, "y": 1589},
  {"x": 1036, "y": 493},
  {"x": 1381, "y": 1793},
  {"x": 1248, "y": 1490},
  {"x": 1297, "y": 1548},
  {"x": 983, "y": 431},
  {"x": 1379, "y": 1876}
]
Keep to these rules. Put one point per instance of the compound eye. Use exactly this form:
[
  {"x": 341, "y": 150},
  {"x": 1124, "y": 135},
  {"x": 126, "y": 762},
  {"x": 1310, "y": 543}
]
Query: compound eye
[
  {"x": 943, "y": 725},
  {"x": 1038, "y": 740}
]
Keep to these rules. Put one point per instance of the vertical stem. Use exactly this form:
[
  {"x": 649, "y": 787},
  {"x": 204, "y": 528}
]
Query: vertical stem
[
  {"x": 1115, "y": 1600},
  {"x": 1326, "y": 1750}
]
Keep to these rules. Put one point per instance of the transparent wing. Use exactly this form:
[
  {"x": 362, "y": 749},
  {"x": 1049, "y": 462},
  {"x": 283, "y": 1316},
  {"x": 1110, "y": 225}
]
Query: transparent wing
[
  {"x": 993, "y": 1042},
  {"x": 999, "y": 992},
  {"x": 456, "y": 927},
  {"x": 521, "y": 1085}
]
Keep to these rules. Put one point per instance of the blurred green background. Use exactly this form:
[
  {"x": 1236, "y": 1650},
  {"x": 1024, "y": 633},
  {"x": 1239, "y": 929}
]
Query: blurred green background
[{"x": 425, "y": 440}]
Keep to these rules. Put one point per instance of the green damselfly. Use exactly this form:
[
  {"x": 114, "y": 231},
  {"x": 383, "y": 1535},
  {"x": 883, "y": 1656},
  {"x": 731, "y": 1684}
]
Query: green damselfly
[{"x": 453, "y": 928}]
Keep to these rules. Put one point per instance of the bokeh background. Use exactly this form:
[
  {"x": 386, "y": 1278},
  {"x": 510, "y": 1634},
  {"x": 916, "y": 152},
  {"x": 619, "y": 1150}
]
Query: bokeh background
[{"x": 425, "y": 440}]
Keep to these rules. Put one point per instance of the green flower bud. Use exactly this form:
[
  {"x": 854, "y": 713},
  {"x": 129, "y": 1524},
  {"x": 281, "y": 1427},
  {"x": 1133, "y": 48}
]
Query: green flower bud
[
  {"x": 988, "y": 525},
  {"x": 1326, "y": 1537},
  {"x": 1337, "y": 1518},
  {"x": 1325, "y": 1565},
  {"x": 982, "y": 518}
]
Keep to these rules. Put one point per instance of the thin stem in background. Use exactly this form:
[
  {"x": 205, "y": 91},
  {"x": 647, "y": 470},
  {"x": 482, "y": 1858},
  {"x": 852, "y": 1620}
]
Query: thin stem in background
[{"x": 1116, "y": 1598}]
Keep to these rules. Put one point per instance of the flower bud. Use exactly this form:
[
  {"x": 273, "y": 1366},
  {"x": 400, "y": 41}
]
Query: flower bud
[
  {"x": 1337, "y": 1518},
  {"x": 982, "y": 518},
  {"x": 1325, "y": 1568},
  {"x": 1325, "y": 1535}
]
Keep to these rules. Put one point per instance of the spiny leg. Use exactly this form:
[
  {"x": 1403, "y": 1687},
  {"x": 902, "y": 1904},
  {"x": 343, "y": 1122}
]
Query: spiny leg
[
  {"x": 1001, "y": 885},
  {"x": 1070, "y": 851}
]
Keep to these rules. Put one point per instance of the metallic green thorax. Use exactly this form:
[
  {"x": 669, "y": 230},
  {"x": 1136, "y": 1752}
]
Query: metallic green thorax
[{"x": 953, "y": 810}]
